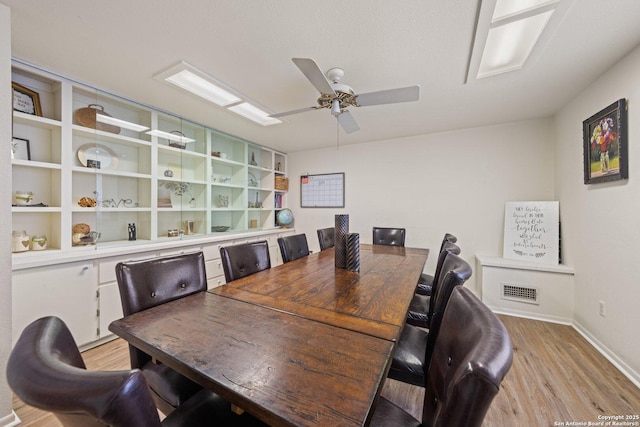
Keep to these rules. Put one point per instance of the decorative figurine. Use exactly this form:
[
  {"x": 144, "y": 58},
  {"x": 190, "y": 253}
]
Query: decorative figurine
[{"x": 132, "y": 231}]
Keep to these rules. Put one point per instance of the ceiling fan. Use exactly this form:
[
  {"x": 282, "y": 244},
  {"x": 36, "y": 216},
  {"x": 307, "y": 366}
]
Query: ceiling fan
[{"x": 338, "y": 96}]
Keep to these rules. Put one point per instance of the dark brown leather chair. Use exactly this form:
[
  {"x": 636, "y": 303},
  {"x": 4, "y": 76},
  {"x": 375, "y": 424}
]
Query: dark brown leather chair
[
  {"x": 242, "y": 260},
  {"x": 414, "y": 349},
  {"x": 388, "y": 236},
  {"x": 421, "y": 306},
  {"x": 471, "y": 357},
  {"x": 46, "y": 370},
  {"x": 293, "y": 247},
  {"x": 425, "y": 281},
  {"x": 326, "y": 238},
  {"x": 148, "y": 283}
]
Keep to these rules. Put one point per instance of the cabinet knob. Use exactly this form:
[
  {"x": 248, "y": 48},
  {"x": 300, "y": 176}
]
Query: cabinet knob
[{"x": 85, "y": 268}]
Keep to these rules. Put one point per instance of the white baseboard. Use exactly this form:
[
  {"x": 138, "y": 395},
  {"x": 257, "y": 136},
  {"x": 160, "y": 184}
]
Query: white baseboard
[
  {"x": 10, "y": 420},
  {"x": 532, "y": 316},
  {"x": 626, "y": 370}
]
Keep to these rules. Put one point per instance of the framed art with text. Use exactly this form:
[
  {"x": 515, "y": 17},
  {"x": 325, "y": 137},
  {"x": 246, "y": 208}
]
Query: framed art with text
[
  {"x": 26, "y": 100},
  {"x": 605, "y": 144}
]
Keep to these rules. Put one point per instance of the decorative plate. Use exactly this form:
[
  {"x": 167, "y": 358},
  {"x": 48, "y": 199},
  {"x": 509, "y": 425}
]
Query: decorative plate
[{"x": 97, "y": 156}]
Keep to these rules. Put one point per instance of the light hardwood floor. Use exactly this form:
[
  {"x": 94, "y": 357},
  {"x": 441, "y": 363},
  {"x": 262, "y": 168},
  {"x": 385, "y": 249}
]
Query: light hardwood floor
[{"x": 556, "y": 377}]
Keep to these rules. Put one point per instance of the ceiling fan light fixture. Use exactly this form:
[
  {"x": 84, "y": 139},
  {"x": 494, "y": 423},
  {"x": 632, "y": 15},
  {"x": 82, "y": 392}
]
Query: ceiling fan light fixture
[{"x": 335, "y": 107}]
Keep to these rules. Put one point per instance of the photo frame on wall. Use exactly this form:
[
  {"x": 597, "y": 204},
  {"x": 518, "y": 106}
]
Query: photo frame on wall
[
  {"x": 26, "y": 100},
  {"x": 20, "y": 149},
  {"x": 606, "y": 145}
]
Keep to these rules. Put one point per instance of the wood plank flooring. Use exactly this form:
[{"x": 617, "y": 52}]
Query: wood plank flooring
[{"x": 556, "y": 377}]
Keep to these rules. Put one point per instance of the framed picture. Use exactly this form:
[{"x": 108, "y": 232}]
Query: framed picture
[
  {"x": 25, "y": 100},
  {"x": 605, "y": 144},
  {"x": 20, "y": 149}
]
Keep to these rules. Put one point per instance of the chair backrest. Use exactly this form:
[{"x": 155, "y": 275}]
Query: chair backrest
[
  {"x": 472, "y": 356},
  {"x": 455, "y": 271},
  {"x": 242, "y": 260},
  {"x": 448, "y": 238},
  {"x": 45, "y": 370},
  {"x": 326, "y": 237},
  {"x": 147, "y": 283},
  {"x": 388, "y": 236},
  {"x": 447, "y": 248},
  {"x": 293, "y": 247}
]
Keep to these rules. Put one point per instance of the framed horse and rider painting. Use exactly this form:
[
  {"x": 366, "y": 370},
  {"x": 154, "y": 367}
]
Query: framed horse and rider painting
[{"x": 605, "y": 144}]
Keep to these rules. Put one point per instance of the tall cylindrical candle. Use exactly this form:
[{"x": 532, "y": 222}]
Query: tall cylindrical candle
[{"x": 341, "y": 231}]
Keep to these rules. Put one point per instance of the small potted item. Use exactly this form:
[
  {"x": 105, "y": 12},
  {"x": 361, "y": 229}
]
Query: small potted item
[
  {"x": 20, "y": 241},
  {"x": 23, "y": 198},
  {"x": 39, "y": 242}
]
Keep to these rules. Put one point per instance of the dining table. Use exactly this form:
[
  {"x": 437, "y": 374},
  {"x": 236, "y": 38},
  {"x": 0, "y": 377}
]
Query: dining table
[{"x": 301, "y": 344}]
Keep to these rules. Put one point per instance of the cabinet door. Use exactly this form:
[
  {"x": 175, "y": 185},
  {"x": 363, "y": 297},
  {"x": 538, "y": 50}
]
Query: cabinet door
[
  {"x": 110, "y": 307},
  {"x": 67, "y": 291}
]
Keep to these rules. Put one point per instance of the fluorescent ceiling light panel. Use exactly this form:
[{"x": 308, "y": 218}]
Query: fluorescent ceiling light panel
[
  {"x": 198, "y": 83},
  {"x": 121, "y": 123},
  {"x": 508, "y": 8},
  {"x": 508, "y": 46},
  {"x": 190, "y": 82},
  {"x": 170, "y": 136},
  {"x": 254, "y": 113}
]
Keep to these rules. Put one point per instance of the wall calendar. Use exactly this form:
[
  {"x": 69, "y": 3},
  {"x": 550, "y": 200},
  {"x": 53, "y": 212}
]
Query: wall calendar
[{"x": 322, "y": 190}]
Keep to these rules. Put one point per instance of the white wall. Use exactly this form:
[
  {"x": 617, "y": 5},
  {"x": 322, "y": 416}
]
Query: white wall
[
  {"x": 455, "y": 182},
  {"x": 6, "y": 415},
  {"x": 601, "y": 222}
]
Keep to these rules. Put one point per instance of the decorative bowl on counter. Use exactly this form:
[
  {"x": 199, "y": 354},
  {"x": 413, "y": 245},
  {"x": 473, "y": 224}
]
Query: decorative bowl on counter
[{"x": 219, "y": 228}]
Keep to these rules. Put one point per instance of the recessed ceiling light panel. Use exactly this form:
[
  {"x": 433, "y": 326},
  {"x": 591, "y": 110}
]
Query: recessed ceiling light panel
[{"x": 508, "y": 46}]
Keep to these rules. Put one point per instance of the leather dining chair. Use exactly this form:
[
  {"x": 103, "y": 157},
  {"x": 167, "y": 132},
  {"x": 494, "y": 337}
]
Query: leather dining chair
[
  {"x": 388, "y": 236},
  {"x": 145, "y": 284},
  {"x": 46, "y": 370},
  {"x": 244, "y": 259},
  {"x": 326, "y": 237},
  {"x": 293, "y": 247},
  {"x": 421, "y": 306},
  {"x": 471, "y": 357},
  {"x": 413, "y": 352},
  {"x": 425, "y": 281}
]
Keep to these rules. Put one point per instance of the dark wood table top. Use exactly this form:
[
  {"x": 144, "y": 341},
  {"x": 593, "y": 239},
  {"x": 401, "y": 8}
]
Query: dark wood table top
[
  {"x": 374, "y": 301},
  {"x": 280, "y": 367}
]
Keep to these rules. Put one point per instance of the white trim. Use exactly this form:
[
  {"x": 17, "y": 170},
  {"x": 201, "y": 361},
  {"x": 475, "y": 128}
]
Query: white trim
[
  {"x": 626, "y": 370},
  {"x": 529, "y": 315},
  {"x": 10, "y": 420}
]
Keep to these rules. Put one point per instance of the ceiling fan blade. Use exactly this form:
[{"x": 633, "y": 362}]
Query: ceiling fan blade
[
  {"x": 347, "y": 122},
  {"x": 390, "y": 96},
  {"x": 288, "y": 113},
  {"x": 317, "y": 78}
]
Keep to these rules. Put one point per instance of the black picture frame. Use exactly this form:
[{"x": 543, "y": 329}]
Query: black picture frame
[
  {"x": 605, "y": 144},
  {"x": 20, "y": 149}
]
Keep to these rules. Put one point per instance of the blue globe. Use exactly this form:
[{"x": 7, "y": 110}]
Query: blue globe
[{"x": 285, "y": 217}]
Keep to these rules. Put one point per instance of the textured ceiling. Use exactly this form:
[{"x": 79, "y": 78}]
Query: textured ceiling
[{"x": 119, "y": 45}]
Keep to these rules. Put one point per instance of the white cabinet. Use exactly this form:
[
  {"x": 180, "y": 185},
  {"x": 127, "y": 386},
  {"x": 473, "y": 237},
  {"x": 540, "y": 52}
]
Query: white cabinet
[
  {"x": 66, "y": 290},
  {"x": 109, "y": 304}
]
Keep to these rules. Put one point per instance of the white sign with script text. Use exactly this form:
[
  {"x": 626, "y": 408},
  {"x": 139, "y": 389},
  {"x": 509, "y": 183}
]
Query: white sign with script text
[{"x": 531, "y": 231}]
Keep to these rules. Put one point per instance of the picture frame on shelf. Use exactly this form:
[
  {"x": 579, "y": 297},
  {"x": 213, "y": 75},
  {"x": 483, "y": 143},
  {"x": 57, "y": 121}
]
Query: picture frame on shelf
[
  {"x": 605, "y": 144},
  {"x": 26, "y": 100},
  {"x": 20, "y": 149}
]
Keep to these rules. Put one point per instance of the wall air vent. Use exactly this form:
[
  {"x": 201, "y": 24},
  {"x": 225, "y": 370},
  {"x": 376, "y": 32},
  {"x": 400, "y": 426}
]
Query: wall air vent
[{"x": 519, "y": 293}]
